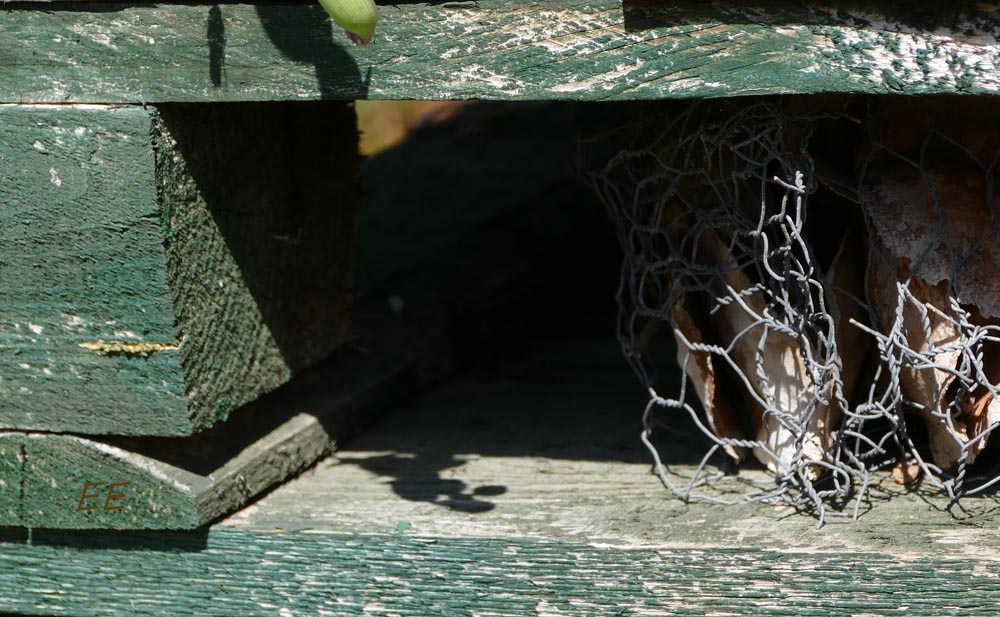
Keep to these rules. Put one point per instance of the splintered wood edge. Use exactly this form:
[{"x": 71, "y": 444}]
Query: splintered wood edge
[{"x": 493, "y": 49}]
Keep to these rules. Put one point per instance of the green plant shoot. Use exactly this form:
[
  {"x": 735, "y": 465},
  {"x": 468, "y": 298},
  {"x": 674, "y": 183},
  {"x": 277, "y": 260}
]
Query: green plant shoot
[{"x": 356, "y": 17}]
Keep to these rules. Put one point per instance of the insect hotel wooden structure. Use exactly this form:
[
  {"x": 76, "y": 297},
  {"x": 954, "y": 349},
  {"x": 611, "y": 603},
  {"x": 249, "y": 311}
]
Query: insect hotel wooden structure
[{"x": 200, "y": 298}]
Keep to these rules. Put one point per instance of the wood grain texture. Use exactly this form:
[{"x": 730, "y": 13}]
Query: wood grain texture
[
  {"x": 546, "y": 446},
  {"x": 260, "y": 203},
  {"x": 83, "y": 262},
  {"x": 319, "y": 573},
  {"x": 161, "y": 261},
  {"x": 11, "y": 477},
  {"x": 493, "y": 49}
]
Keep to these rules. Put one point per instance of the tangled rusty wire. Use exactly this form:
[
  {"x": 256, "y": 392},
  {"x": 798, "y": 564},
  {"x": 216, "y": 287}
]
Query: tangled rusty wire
[{"x": 824, "y": 267}]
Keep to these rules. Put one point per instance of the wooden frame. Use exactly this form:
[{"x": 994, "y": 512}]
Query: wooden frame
[{"x": 601, "y": 550}]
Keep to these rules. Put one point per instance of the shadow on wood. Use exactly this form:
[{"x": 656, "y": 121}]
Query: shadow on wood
[{"x": 307, "y": 36}]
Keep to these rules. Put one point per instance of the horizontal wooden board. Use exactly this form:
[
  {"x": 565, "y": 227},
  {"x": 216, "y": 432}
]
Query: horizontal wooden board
[
  {"x": 546, "y": 446},
  {"x": 521, "y": 490},
  {"x": 158, "y": 268},
  {"x": 228, "y": 572},
  {"x": 493, "y": 49}
]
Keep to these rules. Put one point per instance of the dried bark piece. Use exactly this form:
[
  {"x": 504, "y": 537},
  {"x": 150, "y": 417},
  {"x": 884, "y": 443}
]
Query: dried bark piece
[
  {"x": 938, "y": 216},
  {"x": 785, "y": 384},
  {"x": 940, "y": 226},
  {"x": 935, "y": 226},
  {"x": 980, "y": 411},
  {"x": 699, "y": 366},
  {"x": 941, "y": 230},
  {"x": 929, "y": 331}
]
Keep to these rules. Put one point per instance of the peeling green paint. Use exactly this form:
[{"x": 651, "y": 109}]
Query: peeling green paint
[
  {"x": 227, "y": 572},
  {"x": 497, "y": 49}
]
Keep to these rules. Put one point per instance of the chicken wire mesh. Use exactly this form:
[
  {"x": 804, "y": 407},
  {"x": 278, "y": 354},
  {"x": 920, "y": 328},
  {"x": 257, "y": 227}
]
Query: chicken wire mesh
[{"x": 824, "y": 267}]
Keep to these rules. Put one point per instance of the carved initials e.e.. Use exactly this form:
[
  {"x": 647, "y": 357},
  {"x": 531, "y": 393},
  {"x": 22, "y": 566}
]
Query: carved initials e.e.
[{"x": 84, "y": 496}]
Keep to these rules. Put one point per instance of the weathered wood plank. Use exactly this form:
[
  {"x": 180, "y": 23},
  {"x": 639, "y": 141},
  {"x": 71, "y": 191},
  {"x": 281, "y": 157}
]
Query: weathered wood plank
[
  {"x": 441, "y": 275},
  {"x": 164, "y": 262},
  {"x": 494, "y": 49},
  {"x": 11, "y": 477},
  {"x": 260, "y": 204},
  {"x": 226, "y": 572}
]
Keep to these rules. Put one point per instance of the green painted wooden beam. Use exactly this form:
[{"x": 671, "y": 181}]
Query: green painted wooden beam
[
  {"x": 160, "y": 267},
  {"x": 493, "y": 49},
  {"x": 227, "y": 572}
]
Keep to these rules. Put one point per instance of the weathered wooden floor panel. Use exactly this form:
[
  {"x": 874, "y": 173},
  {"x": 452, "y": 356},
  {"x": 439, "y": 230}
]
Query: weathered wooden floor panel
[
  {"x": 521, "y": 490},
  {"x": 493, "y": 49}
]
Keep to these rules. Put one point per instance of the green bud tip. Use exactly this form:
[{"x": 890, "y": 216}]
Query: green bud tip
[{"x": 356, "y": 17}]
